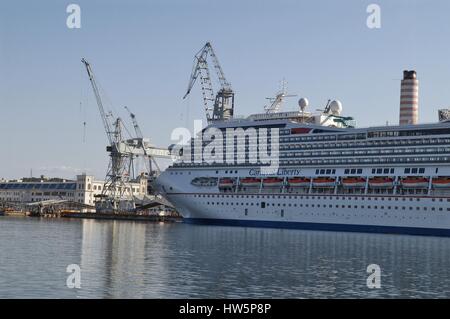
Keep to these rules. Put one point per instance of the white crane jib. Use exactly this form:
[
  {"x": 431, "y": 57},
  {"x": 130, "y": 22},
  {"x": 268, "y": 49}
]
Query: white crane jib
[
  {"x": 148, "y": 151},
  {"x": 136, "y": 146},
  {"x": 105, "y": 117},
  {"x": 221, "y": 104}
]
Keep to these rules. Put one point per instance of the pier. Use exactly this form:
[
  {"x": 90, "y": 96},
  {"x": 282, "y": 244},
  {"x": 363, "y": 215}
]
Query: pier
[{"x": 153, "y": 211}]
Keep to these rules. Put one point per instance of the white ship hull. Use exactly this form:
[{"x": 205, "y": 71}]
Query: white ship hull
[{"x": 384, "y": 213}]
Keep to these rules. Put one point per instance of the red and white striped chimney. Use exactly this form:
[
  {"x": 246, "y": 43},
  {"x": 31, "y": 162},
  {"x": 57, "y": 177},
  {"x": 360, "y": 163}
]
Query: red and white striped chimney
[{"x": 409, "y": 98}]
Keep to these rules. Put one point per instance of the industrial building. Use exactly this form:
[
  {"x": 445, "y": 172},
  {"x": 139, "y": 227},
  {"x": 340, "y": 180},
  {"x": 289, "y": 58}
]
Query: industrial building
[{"x": 81, "y": 190}]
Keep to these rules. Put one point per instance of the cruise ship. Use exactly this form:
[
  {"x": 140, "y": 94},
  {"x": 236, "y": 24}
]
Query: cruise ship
[{"x": 327, "y": 175}]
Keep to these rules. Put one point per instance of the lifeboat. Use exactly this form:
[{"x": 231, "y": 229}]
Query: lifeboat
[
  {"x": 414, "y": 182},
  {"x": 354, "y": 182},
  {"x": 226, "y": 182},
  {"x": 250, "y": 182},
  {"x": 381, "y": 182},
  {"x": 299, "y": 181},
  {"x": 441, "y": 182},
  {"x": 204, "y": 181},
  {"x": 323, "y": 182},
  {"x": 272, "y": 182}
]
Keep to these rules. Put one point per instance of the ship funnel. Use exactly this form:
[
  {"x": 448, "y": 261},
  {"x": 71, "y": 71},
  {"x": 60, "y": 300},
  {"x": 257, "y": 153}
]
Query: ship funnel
[{"x": 409, "y": 98}]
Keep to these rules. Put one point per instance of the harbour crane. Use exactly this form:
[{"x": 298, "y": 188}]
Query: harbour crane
[
  {"x": 222, "y": 103},
  {"x": 114, "y": 196},
  {"x": 116, "y": 193}
]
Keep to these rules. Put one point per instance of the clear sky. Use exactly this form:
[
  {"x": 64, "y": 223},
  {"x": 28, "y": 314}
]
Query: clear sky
[{"x": 142, "y": 54}]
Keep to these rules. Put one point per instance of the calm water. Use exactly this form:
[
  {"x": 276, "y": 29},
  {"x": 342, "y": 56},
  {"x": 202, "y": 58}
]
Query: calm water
[{"x": 120, "y": 259}]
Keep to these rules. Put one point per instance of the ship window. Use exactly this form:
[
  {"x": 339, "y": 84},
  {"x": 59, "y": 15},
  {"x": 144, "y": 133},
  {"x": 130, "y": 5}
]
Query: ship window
[
  {"x": 386, "y": 171},
  {"x": 359, "y": 170},
  {"x": 379, "y": 170},
  {"x": 263, "y": 204},
  {"x": 421, "y": 170},
  {"x": 346, "y": 171},
  {"x": 414, "y": 171},
  {"x": 407, "y": 170}
]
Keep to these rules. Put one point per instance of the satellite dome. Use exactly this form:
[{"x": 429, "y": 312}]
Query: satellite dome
[
  {"x": 303, "y": 103},
  {"x": 336, "y": 107}
]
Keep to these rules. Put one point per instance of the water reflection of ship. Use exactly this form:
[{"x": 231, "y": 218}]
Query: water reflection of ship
[
  {"x": 128, "y": 259},
  {"x": 331, "y": 263}
]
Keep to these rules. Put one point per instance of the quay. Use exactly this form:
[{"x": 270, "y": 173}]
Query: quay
[
  {"x": 123, "y": 216},
  {"x": 107, "y": 216},
  {"x": 153, "y": 211}
]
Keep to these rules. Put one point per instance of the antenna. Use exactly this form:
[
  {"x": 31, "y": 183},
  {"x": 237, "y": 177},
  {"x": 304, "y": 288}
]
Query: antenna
[{"x": 277, "y": 101}]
